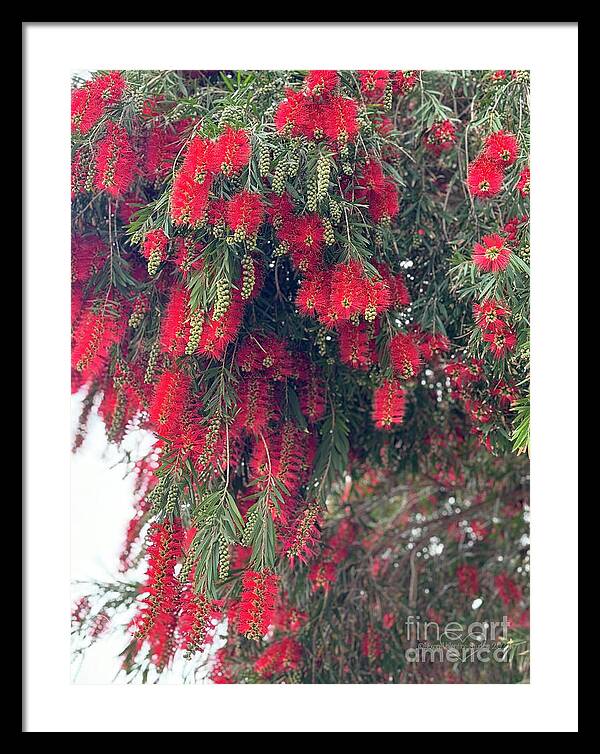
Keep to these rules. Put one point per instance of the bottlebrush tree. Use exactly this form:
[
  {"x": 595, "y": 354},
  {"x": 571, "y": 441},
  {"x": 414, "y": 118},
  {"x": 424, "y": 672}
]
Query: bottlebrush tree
[{"x": 313, "y": 289}]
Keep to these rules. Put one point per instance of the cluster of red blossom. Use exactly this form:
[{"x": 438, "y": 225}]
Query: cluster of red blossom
[
  {"x": 510, "y": 593},
  {"x": 468, "y": 382},
  {"x": 491, "y": 254},
  {"x": 490, "y": 317},
  {"x": 468, "y": 580},
  {"x": 320, "y": 111},
  {"x": 204, "y": 160},
  {"x": 375, "y": 84},
  {"x": 171, "y": 615},
  {"x": 506, "y": 75},
  {"x": 323, "y": 572},
  {"x": 440, "y": 138},
  {"x": 279, "y": 657},
  {"x": 90, "y": 102},
  {"x": 486, "y": 172}
]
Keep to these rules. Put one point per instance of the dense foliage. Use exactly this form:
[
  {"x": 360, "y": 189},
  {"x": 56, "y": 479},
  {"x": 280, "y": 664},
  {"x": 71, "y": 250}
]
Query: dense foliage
[{"x": 313, "y": 288}]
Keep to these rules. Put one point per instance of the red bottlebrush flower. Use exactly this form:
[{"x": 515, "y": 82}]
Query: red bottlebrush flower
[
  {"x": 264, "y": 353},
  {"x": 217, "y": 214},
  {"x": 347, "y": 290},
  {"x": 313, "y": 293},
  {"x": 188, "y": 438},
  {"x": 290, "y": 619},
  {"x": 388, "y": 404},
  {"x": 195, "y": 618},
  {"x": 154, "y": 248},
  {"x": 116, "y": 161},
  {"x": 288, "y": 457},
  {"x": 199, "y": 159},
  {"x": 491, "y": 255},
  {"x": 80, "y": 169},
  {"x": 507, "y": 394},
  {"x": 231, "y": 152},
  {"x": 508, "y": 590},
  {"x": 405, "y": 81},
  {"x": 290, "y": 117},
  {"x": 304, "y": 534},
  {"x": 112, "y": 85},
  {"x": 161, "y": 586},
  {"x": 175, "y": 328},
  {"x": 281, "y": 210},
  {"x": 89, "y": 102},
  {"x": 319, "y": 83},
  {"x": 388, "y": 620},
  {"x": 440, "y": 137},
  {"x": 189, "y": 200},
  {"x": 311, "y": 396},
  {"x": 384, "y": 205},
  {"x": 153, "y": 106},
  {"x": 512, "y": 226},
  {"x": 161, "y": 149},
  {"x": 85, "y": 109},
  {"x": 254, "y": 403},
  {"x": 93, "y": 338},
  {"x": 523, "y": 185},
  {"x": 373, "y": 84},
  {"x": 169, "y": 401},
  {"x": 191, "y": 187},
  {"x": 371, "y": 645},
  {"x": 257, "y": 607},
  {"x": 501, "y": 147},
  {"x": 468, "y": 580},
  {"x": 485, "y": 178},
  {"x": 433, "y": 346},
  {"x": 340, "y": 120},
  {"x": 88, "y": 255},
  {"x": 305, "y": 236},
  {"x": 478, "y": 412},
  {"x": 245, "y": 214},
  {"x": 491, "y": 315},
  {"x": 356, "y": 347},
  {"x": 341, "y": 540},
  {"x": 322, "y": 575},
  {"x": 378, "y": 298},
  {"x": 462, "y": 375},
  {"x": 405, "y": 356},
  {"x": 279, "y": 657},
  {"x": 218, "y": 334},
  {"x": 397, "y": 285},
  {"x": 372, "y": 177},
  {"x": 500, "y": 342}
]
